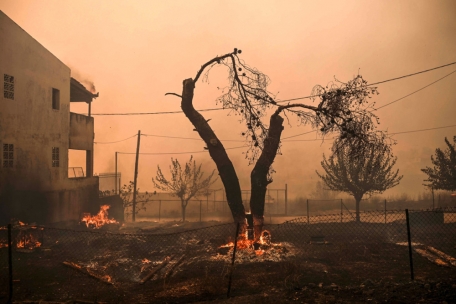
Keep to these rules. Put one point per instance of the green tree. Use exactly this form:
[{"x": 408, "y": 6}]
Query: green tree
[
  {"x": 185, "y": 183},
  {"x": 368, "y": 173},
  {"x": 443, "y": 175}
]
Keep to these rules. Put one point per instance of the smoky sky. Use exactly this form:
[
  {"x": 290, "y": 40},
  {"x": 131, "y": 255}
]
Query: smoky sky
[{"x": 137, "y": 51}]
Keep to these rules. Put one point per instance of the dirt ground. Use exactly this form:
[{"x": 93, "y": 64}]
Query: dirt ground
[{"x": 367, "y": 271}]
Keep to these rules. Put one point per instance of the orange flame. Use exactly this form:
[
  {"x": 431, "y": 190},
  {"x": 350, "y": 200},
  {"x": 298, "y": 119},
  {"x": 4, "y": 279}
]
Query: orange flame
[
  {"x": 100, "y": 219},
  {"x": 27, "y": 241},
  {"x": 244, "y": 243}
]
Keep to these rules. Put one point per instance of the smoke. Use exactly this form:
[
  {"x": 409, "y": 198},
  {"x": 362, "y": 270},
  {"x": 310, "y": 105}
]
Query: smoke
[{"x": 84, "y": 80}]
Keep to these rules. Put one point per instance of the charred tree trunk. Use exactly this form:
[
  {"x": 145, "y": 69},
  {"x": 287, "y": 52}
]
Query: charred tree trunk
[
  {"x": 217, "y": 152},
  {"x": 259, "y": 176}
]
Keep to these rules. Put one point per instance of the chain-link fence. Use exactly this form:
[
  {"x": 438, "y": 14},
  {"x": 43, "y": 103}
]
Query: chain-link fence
[
  {"x": 109, "y": 183},
  {"x": 4, "y": 269},
  {"x": 111, "y": 264}
]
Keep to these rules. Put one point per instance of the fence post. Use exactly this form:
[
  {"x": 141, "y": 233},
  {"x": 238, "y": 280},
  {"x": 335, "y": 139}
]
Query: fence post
[
  {"x": 286, "y": 200},
  {"x": 232, "y": 260},
  {"x": 10, "y": 266},
  {"x": 409, "y": 244},
  {"x": 385, "y": 211},
  {"x": 159, "y": 209},
  {"x": 308, "y": 211},
  {"x": 341, "y": 210},
  {"x": 200, "y": 211}
]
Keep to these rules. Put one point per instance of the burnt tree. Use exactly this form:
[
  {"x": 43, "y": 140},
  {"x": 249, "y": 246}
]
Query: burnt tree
[
  {"x": 343, "y": 109},
  {"x": 368, "y": 173}
]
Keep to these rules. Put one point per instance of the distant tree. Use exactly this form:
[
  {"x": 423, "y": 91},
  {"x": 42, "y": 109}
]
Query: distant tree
[
  {"x": 343, "y": 109},
  {"x": 371, "y": 172},
  {"x": 185, "y": 183},
  {"x": 443, "y": 175},
  {"x": 126, "y": 194},
  {"x": 320, "y": 192}
]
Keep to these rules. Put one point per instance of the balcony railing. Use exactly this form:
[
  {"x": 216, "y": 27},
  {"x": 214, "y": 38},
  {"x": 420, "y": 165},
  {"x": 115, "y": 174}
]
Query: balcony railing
[{"x": 75, "y": 172}]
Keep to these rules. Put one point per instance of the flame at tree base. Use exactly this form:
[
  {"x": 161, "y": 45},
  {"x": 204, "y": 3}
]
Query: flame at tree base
[{"x": 249, "y": 250}]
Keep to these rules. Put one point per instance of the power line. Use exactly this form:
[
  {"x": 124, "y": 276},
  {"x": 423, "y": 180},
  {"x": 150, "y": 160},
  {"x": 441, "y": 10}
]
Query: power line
[
  {"x": 189, "y": 138},
  {"x": 415, "y": 91},
  {"x": 317, "y": 139},
  {"x": 280, "y": 101},
  {"x": 413, "y": 131},
  {"x": 420, "y": 72},
  {"x": 395, "y": 133},
  {"x": 234, "y": 140},
  {"x": 166, "y": 153},
  {"x": 299, "y": 134},
  {"x": 113, "y": 142},
  {"x": 152, "y": 113}
]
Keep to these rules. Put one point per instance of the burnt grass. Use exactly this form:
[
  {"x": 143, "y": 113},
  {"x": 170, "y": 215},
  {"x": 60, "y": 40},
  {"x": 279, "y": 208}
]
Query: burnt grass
[{"x": 358, "y": 263}]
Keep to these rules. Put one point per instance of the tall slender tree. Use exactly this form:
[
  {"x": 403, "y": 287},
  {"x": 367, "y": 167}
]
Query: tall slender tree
[
  {"x": 369, "y": 173},
  {"x": 443, "y": 175},
  {"x": 343, "y": 109}
]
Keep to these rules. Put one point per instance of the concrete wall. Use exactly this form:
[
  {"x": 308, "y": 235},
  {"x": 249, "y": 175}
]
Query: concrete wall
[
  {"x": 81, "y": 132},
  {"x": 30, "y": 123}
]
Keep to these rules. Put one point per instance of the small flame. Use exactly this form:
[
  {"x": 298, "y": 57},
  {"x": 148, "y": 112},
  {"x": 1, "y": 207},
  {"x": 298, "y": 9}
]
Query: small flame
[
  {"x": 100, "y": 219},
  {"x": 27, "y": 241},
  {"x": 243, "y": 242}
]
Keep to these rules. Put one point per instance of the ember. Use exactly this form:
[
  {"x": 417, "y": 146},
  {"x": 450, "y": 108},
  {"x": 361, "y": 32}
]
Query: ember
[
  {"x": 27, "y": 238},
  {"x": 248, "y": 250},
  {"x": 100, "y": 219}
]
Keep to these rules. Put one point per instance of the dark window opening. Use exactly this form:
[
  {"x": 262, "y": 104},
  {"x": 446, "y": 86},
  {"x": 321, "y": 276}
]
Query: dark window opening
[
  {"x": 55, "y": 157},
  {"x": 55, "y": 99},
  {"x": 8, "y": 86},
  {"x": 8, "y": 155}
]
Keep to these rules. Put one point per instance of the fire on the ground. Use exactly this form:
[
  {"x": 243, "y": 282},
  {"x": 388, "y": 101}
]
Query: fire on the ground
[{"x": 99, "y": 220}]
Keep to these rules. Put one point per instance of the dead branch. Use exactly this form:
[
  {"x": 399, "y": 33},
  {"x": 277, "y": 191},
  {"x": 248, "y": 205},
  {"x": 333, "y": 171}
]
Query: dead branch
[
  {"x": 431, "y": 257},
  {"x": 155, "y": 270},
  {"x": 443, "y": 255},
  {"x": 87, "y": 271},
  {"x": 170, "y": 271},
  {"x": 173, "y": 94}
]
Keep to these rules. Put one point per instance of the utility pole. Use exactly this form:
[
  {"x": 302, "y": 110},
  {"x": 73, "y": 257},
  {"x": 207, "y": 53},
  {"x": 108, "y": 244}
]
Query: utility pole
[
  {"x": 115, "y": 180},
  {"x": 136, "y": 177}
]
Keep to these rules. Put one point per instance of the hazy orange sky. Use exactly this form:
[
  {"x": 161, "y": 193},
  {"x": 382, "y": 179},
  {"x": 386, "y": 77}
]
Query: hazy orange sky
[{"x": 136, "y": 51}]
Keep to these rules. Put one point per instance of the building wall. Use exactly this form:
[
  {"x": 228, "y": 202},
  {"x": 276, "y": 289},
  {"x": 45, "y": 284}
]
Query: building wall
[
  {"x": 81, "y": 132},
  {"x": 30, "y": 123}
]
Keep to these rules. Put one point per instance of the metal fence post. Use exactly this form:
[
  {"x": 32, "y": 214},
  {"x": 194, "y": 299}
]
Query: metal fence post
[
  {"x": 385, "y": 211},
  {"x": 341, "y": 210},
  {"x": 232, "y": 260},
  {"x": 409, "y": 244},
  {"x": 308, "y": 211},
  {"x": 10, "y": 266},
  {"x": 159, "y": 209},
  {"x": 200, "y": 211},
  {"x": 286, "y": 200}
]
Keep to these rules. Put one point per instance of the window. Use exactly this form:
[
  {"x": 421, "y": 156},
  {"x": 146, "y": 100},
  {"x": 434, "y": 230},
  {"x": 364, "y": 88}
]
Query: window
[
  {"x": 8, "y": 155},
  {"x": 8, "y": 86},
  {"x": 55, "y": 157},
  {"x": 55, "y": 99}
]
